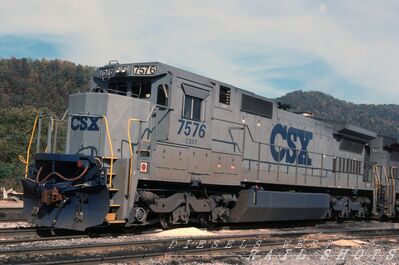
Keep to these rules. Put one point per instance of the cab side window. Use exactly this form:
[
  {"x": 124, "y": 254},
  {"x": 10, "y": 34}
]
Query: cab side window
[
  {"x": 141, "y": 90},
  {"x": 163, "y": 95},
  {"x": 192, "y": 108}
]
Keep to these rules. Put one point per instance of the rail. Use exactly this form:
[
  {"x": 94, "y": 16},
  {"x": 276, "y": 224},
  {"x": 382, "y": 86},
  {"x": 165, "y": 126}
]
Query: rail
[
  {"x": 37, "y": 129},
  {"x": 129, "y": 123},
  {"x": 388, "y": 194},
  {"x": 393, "y": 173},
  {"x": 376, "y": 188},
  {"x": 108, "y": 134},
  {"x": 111, "y": 149},
  {"x": 37, "y": 126},
  {"x": 26, "y": 161},
  {"x": 130, "y": 144}
]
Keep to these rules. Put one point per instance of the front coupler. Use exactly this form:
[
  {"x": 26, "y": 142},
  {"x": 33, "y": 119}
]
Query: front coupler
[{"x": 65, "y": 191}]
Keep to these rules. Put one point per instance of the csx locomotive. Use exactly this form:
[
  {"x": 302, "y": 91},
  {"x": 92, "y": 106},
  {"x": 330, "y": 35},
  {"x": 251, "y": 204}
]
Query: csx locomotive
[{"x": 151, "y": 143}]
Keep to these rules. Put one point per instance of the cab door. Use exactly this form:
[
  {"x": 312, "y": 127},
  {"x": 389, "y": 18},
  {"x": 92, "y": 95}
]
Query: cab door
[
  {"x": 162, "y": 101},
  {"x": 193, "y": 126}
]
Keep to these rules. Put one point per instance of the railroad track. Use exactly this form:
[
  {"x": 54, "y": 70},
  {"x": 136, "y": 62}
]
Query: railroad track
[
  {"x": 134, "y": 249},
  {"x": 32, "y": 234},
  {"x": 17, "y": 232},
  {"x": 11, "y": 214}
]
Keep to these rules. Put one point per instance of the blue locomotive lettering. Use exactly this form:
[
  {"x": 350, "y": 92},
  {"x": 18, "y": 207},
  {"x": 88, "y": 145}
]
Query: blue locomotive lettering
[
  {"x": 291, "y": 136},
  {"x": 83, "y": 123},
  {"x": 191, "y": 128}
]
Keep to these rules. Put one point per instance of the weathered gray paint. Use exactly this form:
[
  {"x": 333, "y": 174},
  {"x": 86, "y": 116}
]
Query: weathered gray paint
[{"x": 235, "y": 149}]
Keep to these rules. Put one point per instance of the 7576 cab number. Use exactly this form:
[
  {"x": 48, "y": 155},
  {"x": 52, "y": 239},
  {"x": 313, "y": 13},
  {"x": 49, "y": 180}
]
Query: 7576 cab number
[
  {"x": 192, "y": 128},
  {"x": 144, "y": 69}
]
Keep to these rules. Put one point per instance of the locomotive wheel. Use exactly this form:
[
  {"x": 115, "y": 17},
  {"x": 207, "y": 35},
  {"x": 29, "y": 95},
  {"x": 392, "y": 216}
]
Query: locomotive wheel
[
  {"x": 203, "y": 220},
  {"x": 165, "y": 221}
]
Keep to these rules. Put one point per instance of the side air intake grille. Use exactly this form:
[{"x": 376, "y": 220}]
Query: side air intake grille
[
  {"x": 350, "y": 146},
  {"x": 257, "y": 106},
  {"x": 224, "y": 95}
]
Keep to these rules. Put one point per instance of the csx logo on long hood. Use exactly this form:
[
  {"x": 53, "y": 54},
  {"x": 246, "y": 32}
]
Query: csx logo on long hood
[
  {"x": 84, "y": 123},
  {"x": 296, "y": 139}
]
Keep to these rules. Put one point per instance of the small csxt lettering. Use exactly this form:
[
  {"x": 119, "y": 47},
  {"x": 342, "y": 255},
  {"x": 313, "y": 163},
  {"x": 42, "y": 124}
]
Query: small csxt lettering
[
  {"x": 292, "y": 136},
  {"x": 192, "y": 128},
  {"x": 84, "y": 123},
  {"x": 191, "y": 141}
]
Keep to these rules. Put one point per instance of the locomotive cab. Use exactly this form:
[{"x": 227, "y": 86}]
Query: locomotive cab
[
  {"x": 109, "y": 134},
  {"x": 140, "y": 125}
]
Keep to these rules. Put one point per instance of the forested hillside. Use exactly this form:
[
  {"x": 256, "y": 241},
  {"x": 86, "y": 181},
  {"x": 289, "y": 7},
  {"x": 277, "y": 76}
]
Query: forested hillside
[
  {"x": 26, "y": 88},
  {"x": 383, "y": 119},
  {"x": 30, "y": 86},
  {"x": 40, "y": 83}
]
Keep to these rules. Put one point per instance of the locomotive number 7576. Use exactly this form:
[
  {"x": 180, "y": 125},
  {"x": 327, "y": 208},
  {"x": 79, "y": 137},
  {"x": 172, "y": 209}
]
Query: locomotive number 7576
[{"x": 191, "y": 128}]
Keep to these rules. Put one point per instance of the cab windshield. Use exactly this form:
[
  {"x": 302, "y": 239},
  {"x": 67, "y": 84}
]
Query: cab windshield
[{"x": 137, "y": 88}]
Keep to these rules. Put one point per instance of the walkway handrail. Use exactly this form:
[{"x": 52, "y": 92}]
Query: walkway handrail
[
  {"x": 26, "y": 161},
  {"x": 129, "y": 122},
  {"x": 35, "y": 126},
  {"x": 130, "y": 144},
  {"x": 393, "y": 188},
  {"x": 108, "y": 139},
  {"x": 112, "y": 150}
]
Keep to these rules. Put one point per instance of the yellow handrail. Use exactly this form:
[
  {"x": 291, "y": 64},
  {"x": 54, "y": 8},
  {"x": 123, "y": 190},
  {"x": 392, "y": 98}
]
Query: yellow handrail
[
  {"x": 387, "y": 192},
  {"x": 393, "y": 188},
  {"x": 377, "y": 179},
  {"x": 376, "y": 188},
  {"x": 130, "y": 139},
  {"x": 112, "y": 151},
  {"x": 130, "y": 145},
  {"x": 26, "y": 161}
]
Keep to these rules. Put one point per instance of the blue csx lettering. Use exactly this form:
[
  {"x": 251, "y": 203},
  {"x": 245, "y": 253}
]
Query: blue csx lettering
[
  {"x": 291, "y": 135},
  {"x": 83, "y": 123}
]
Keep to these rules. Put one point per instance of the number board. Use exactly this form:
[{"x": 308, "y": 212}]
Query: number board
[
  {"x": 106, "y": 72},
  {"x": 144, "y": 69},
  {"x": 192, "y": 128}
]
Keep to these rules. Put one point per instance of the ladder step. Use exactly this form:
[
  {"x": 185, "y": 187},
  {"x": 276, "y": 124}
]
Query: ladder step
[
  {"x": 109, "y": 158},
  {"x": 110, "y": 217},
  {"x": 109, "y": 173},
  {"x": 114, "y": 205},
  {"x": 116, "y": 222},
  {"x": 113, "y": 189}
]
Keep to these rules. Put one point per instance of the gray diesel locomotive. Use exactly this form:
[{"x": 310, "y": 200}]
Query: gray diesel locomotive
[{"x": 151, "y": 143}]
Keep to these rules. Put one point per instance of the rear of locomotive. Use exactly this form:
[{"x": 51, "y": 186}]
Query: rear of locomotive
[{"x": 92, "y": 182}]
